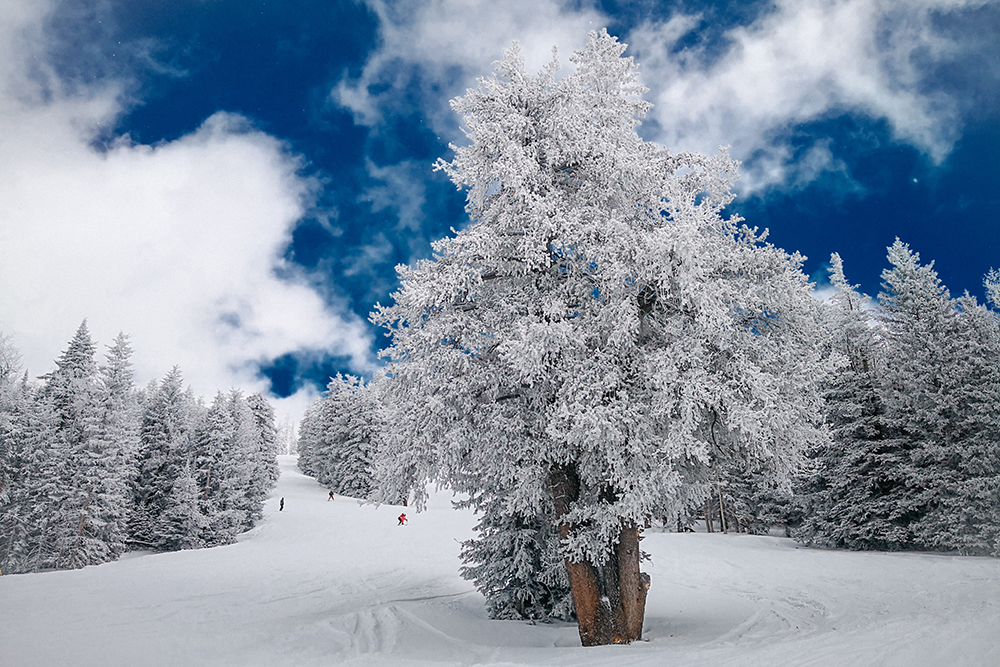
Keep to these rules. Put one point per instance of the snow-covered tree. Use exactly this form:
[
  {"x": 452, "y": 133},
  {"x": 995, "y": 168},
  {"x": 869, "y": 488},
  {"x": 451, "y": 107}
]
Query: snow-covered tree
[
  {"x": 182, "y": 524},
  {"x": 89, "y": 464},
  {"x": 310, "y": 431},
  {"x": 286, "y": 438},
  {"x": 342, "y": 432},
  {"x": 116, "y": 440},
  {"x": 599, "y": 337},
  {"x": 992, "y": 284},
  {"x": 515, "y": 562},
  {"x": 12, "y": 405},
  {"x": 840, "y": 496},
  {"x": 915, "y": 461},
  {"x": 264, "y": 451},
  {"x": 168, "y": 418}
]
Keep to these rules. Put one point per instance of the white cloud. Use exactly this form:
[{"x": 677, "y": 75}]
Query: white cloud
[
  {"x": 804, "y": 61},
  {"x": 176, "y": 244},
  {"x": 453, "y": 42}
]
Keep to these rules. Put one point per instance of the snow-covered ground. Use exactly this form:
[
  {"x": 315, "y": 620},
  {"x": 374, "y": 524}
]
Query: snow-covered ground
[{"x": 324, "y": 583}]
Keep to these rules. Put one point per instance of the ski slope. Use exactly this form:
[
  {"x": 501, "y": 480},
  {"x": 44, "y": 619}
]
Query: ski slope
[{"x": 331, "y": 583}]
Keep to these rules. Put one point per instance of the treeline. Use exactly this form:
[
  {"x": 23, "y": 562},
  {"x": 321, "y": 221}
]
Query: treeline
[
  {"x": 913, "y": 456},
  {"x": 92, "y": 466}
]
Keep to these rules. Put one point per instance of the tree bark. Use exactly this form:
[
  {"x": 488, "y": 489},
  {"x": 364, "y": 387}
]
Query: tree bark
[{"x": 610, "y": 597}]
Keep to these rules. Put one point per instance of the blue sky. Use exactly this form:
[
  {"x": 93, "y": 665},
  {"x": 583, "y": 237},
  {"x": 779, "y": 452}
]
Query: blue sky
[{"x": 233, "y": 181}]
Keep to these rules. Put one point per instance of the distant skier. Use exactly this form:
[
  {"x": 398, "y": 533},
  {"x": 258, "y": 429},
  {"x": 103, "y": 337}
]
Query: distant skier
[
  {"x": 331, "y": 496},
  {"x": 402, "y": 519},
  {"x": 281, "y": 505}
]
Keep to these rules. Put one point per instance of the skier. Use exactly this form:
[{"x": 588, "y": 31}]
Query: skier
[
  {"x": 331, "y": 496},
  {"x": 281, "y": 505},
  {"x": 402, "y": 519}
]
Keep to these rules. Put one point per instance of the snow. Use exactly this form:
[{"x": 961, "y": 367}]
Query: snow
[{"x": 324, "y": 583}]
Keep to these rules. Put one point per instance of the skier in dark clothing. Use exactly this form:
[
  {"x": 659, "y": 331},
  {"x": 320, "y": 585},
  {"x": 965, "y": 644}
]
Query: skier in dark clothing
[
  {"x": 402, "y": 519},
  {"x": 281, "y": 505},
  {"x": 331, "y": 496}
]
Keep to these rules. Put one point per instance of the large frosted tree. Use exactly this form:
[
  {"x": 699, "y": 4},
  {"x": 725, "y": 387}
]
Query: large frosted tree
[{"x": 599, "y": 337}]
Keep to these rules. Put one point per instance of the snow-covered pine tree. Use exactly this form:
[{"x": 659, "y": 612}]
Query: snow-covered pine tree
[
  {"x": 12, "y": 405},
  {"x": 515, "y": 562},
  {"x": 599, "y": 334},
  {"x": 264, "y": 449},
  {"x": 17, "y": 442},
  {"x": 349, "y": 430},
  {"x": 168, "y": 417},
  {"x": 25, "y": 523},
  {"x": 843, "y": 493},
  {"x": 82, "y": 525},
  {"x": 286, "y": 437},
  {"x": 117, "y": 441},
  {"x": 992, "y": 284},
  {"x": 310, "y": 430},
  {"x": 916, "y": 465},
  {"x": 232, "y": 481},
  {"x": 964, "y": 508},
  {"x": 921, "y": 324},
  {"x": 182, "y": 525},
  {"x": 212, "y": 439}
]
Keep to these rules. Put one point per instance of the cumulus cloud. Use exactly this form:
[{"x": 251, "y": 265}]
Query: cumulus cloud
[
  {"x": 805, "y": 61},
  {"x": 443, "y": 45},
  {"x": 179, "y": 244},
  {"x": 801, "y": 62}
]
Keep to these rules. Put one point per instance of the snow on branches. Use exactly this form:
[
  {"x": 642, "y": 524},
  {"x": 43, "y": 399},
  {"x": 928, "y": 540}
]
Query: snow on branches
[{"x": 598, "y": 322}]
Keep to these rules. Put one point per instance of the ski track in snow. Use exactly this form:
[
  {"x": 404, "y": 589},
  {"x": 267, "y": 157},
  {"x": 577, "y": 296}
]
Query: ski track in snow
[{"x": 339, "y": 583}]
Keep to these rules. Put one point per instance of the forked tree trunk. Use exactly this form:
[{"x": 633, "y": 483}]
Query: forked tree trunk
[{"x": 610, "y": 597}]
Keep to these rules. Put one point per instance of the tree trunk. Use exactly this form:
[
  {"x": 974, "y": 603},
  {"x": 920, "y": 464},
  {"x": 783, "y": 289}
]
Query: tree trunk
[
  {"x": 610, "y": 597},
  {"x": 722, "y": 510}
]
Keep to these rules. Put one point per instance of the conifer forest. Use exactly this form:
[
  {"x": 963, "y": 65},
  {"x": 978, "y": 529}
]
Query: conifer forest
[{"x": 92, "y": 466}]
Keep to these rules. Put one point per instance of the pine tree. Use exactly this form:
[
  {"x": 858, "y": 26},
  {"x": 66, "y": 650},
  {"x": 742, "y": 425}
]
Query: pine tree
[
  {"x": 168, "y": 417},
  {"x": 599, "y": 334},
  {"x": 347, "y": 439},
  {"x": 914, "y": 459},
  {"x": 843, "y": 495},
  {"x": 182, "y": 525},
  {"x": 264, "y": 449},
  {"x": 514, "y": 561},
  {"x": 12, "y": 406}
]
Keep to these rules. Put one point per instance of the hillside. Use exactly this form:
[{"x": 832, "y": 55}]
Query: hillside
[{"x": 325, "y": 583}]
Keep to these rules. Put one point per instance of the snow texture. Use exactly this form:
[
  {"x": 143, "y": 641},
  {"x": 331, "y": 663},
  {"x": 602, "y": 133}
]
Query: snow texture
[{"x": 326, "y": 583}]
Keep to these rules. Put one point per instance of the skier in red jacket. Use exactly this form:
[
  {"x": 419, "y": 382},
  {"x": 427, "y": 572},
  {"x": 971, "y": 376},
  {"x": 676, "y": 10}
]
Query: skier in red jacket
[{"x": 402, "y": 519}]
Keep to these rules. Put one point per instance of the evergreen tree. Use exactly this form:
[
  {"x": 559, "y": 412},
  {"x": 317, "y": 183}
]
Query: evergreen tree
[
  {"x": 848, "y": 478},
  {"x": 310, "y": 430},
  {"x": 514, "y": 561},
  {"x": 339, "y": 434},
  {"x": 12, "y": 406},
  {"x": 182, "y": 525},
  {"x": 914, "y": 459},
  {"x": 264, "y": 451},
  {"x": 168, "y": 417},
  {"x": 599, "y": 334}
]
